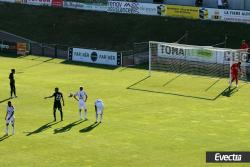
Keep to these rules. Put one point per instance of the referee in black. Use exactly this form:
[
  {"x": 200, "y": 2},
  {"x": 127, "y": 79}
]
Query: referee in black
[
  {"x": 58, "y": 96},
  {"x": 12, "y": 83}
]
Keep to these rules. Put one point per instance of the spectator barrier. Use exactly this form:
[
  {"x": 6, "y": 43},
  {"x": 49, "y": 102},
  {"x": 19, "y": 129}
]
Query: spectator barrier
[{"x": 177, "y": 11}]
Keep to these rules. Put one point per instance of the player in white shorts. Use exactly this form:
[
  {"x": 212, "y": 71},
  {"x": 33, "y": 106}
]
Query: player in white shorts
[
  {"x": 81, "y": 96},
  {"x": 99, "y": 107},
  {"x": 10, "y": 117}
]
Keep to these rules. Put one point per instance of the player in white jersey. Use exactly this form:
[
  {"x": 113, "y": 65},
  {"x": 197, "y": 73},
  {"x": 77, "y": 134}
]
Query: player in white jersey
[
  {"x": 10, "y": 117},
  {"x": 81, "y": 96},
  {"x": 99, "y": 107}
]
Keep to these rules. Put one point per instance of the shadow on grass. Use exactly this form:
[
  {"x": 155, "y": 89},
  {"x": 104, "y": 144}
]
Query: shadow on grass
[
  {"x": 67, "y": 62},
  {"x": 26, "y": 57},
  {"x": 35, "y": 65},
  {"x": 68, "y": 127},
  {"x": 143, "y": 66},
  {"x": 229, "y": 91},
  {"x": 225, "y": 92},
  {"x": 9, "y": 55},
  {"x": 107, "y": 67},
  {"x": 215, "y": 82},
  {"x": 89, "y": 128},
  {"x": 2, "y": 101},
  {"x": 42, "y": 128},
  {"x": 4, "y": 137},
  {"x": 172, "y": 80},
  {"x": 138, "y": 82}
]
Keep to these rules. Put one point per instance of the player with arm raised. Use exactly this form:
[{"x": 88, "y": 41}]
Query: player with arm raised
[
  {"x": 99, "y": 107},
  {"x": 10, "y": 118},
  {"x": 235, "y": 69},
  {"x": 58, "y": 96},
  {"x": 81, "y": 96}
]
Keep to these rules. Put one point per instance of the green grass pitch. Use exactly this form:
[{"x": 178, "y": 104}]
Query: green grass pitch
[{"x": 167, "y": 120}]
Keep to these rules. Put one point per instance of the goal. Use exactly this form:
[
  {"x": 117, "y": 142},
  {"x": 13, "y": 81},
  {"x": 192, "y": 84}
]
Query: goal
[{"x": 197, "y": 60}]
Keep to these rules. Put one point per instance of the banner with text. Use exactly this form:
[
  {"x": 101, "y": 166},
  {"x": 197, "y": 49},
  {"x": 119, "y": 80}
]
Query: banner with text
[
  {"x": 94, "y": 56},
  {"x": 238, "y": 16},
  {"x": 9, "y": 1},
  {"x": 135, "y": 8},
  {"x": 84, "y": 6},
  {"x": 200, "y": 53},
  {"x": 189, "y": 12},
  {"x": 38, "y": 2}
]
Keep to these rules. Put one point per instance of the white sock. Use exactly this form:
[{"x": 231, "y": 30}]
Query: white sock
[
  {"x": 85, "y": 114},
  {"x": 6, "y": 131},
  {"x": 80, "y": 112},
  {"x": 13, "y": 130}
]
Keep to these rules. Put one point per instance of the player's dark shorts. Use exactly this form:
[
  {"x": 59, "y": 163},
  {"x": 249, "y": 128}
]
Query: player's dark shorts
[
  {"x": 12, "y": 85},
  {"x": 57, "y": 105}
]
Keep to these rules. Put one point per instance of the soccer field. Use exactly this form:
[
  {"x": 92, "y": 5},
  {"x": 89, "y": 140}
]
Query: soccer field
[{"x": 167, "y": 120}]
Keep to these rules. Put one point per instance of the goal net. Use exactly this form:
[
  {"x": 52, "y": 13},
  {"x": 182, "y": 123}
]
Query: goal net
[{"x": 197, "y": 60}]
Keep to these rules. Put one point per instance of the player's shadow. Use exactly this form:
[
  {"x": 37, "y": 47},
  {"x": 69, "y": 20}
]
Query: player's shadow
[
  {"x": 2, "y": 101},
  {"x": 89, "y": 128},
  {"x": 42, "y": 128},
  {"x": 68, "y": 127},
  {"x": 229, "y": 91},
  {"x": 4, "y": 137}
]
